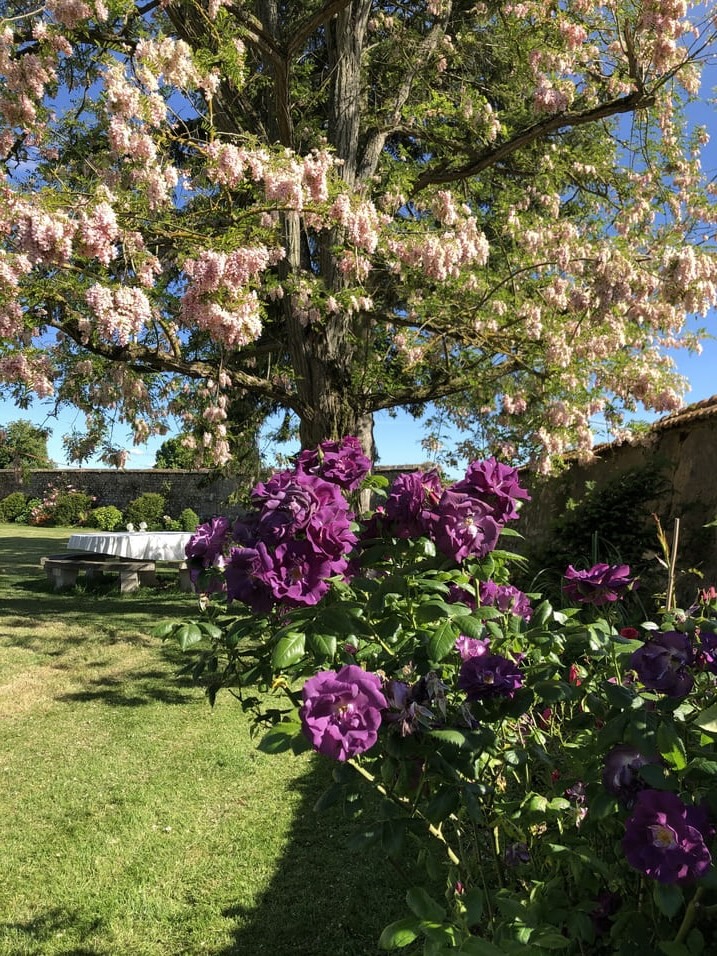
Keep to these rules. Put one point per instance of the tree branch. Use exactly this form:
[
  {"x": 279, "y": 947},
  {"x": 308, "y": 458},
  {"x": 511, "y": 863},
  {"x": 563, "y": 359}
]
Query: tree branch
[{"x": 491, "y": 157}]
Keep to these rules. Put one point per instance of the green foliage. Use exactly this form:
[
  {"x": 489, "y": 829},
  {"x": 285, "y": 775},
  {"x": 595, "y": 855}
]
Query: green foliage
[
  {"x": 72, "y": 508},
  {"x": 24, "y": 445},
  {"x": 66, "y": 507},
  {"x": 612, "y": 523},
  {"x": 12, "y": 506},
  {"x": 149, "y": 508},
  {"x": 517, "y": 798},
  {"x": 174, "y": 455},
  {"x": 188, "y": 520},
  {"x": 106, "y": 518}
]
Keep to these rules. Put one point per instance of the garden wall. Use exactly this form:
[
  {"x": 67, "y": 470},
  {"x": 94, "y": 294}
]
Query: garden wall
[
  {"x": 201, "y": 491},
  {"x": 683, "y": 446}
]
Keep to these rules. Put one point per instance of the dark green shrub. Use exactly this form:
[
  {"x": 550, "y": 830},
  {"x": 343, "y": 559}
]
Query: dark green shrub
[
  {"x": 71, "y": 508},
  {"x": 106, "y": 519},
  {"x": 148, "y": 508},
  {"x": 189, "y": 520},
  {"x": 13, "y": 506},
  {"x": 30, "y": 506}
]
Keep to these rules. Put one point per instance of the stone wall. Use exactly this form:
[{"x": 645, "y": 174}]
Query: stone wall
[
  {"x": 199, "y": 490},
  {"x": 683, "y": 447}
]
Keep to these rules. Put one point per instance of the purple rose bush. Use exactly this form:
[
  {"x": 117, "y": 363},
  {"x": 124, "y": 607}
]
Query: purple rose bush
[{"x": 557, "y": 766}]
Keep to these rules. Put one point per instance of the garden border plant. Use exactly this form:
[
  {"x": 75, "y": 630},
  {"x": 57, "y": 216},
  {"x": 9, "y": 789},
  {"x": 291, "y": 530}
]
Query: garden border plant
[{"x": 552, "y": 769}]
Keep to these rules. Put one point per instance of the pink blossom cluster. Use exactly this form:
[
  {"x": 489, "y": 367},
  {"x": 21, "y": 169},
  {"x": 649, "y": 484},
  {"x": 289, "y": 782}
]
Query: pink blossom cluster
[
  {"x": 443, "y": 257},
  {"x": 32, "y": 370},
  {"x": 70, "y": 13},
  {"x": 45, "y": 237},
  {"x": 98, "y": 232},
  {"x": 120, "y": 313},
  {"x": 228, "y": 165},
  {"x": 361, "y": 221}
]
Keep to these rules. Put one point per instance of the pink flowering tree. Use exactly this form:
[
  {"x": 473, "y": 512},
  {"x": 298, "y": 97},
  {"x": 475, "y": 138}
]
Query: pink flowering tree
[{"x": 342, "y": 206}]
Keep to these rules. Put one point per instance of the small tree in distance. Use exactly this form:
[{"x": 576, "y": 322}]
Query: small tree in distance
[
  {"x": 337, "y": 207},
  {"x": 24, "y": 445}
]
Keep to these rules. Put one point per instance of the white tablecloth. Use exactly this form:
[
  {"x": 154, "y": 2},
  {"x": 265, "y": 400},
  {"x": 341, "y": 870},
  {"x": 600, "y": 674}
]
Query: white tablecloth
[{"x": 142, "y": 545}]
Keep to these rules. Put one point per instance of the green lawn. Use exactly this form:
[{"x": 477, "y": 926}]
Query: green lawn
[{"x": 136, "y": 819}]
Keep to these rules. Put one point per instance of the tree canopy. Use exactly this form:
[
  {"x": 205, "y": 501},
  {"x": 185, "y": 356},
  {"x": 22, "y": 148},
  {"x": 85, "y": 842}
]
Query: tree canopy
[
  {"x": 335, "y": 207},
  {"x": 24, "y": 445}
]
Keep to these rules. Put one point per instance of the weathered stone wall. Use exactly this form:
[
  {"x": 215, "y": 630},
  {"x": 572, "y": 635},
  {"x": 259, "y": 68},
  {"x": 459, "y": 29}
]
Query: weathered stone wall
[
  {"x": 206, "y": 495},
  {"x": 198, "y": 490},
  {"x": 684, "y": 448}
]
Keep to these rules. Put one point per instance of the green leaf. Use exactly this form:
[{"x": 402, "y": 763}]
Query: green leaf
[
  {"x": 441, "y": 805},
  {"x": 671, "y": 746},
  {"x": 707, "y": 720},
  {"x": 279, "y": 739},
  {"x": 211, "y": 630},
  {"x": 550, "y": 941},
  {"x": 188, "y": 635},
  {"x": 289, "y": 649},
  {"x": 668, "y": 899},
  {"x": 472, "y": 899},
  {"x": 399, "y": 934},
  {"x": 442, "y": 641},
  {"x": 163, "y": 631},
  {"x": 552, "y": 691},
  {"x": 480, "y": 947},
  {"x": 424, "y": 906},
  {"x": 472, "y": 626},
  {"x": 323, "y": 645}
]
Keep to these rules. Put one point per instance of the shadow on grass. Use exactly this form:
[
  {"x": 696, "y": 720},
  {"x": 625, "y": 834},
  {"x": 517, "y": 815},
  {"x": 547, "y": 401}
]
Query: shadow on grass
[
  {"x": 32, "y": 936},
  {"x": 134, "y": 689},
  {"x": 324, "y": 899}
]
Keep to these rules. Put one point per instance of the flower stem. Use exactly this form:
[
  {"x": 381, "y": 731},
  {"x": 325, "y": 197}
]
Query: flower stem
[{"x": 690, "y": 915}]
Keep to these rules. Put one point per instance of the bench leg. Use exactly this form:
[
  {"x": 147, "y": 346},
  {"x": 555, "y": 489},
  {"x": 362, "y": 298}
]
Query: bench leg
[
  {"x": 129, "y": 581},
  {"x": 63, "y": 578},
  {"x": 148, "y": 579},
  {"x": 185, "y": 581}
]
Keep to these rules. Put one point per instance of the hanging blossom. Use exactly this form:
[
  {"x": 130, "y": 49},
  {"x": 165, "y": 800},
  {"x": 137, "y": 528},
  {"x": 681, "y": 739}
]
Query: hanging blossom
[
  {"x": 120, "y": 313},
  {"x": 35, "y": 371},
  {"x": 98, "y": 232}
]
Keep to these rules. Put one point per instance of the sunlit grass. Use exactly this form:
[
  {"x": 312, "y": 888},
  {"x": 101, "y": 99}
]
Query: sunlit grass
[{"x": 135, "y": 818}]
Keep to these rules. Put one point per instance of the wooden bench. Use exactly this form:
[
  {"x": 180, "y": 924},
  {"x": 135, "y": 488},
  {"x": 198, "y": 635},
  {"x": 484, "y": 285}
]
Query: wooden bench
[{"x": 62, "y": 570}]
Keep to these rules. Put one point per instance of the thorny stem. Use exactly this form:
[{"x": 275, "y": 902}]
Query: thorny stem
[{"x": 433, "y": 830}]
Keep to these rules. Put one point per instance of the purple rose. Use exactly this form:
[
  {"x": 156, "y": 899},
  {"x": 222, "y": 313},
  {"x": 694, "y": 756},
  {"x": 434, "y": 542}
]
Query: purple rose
[
  {"x": 296, "y": 573},
  {"x": 599, "y": 584},
  {"x": 469, "y": 647},
  {"x": 506, "y": 598},
  {"x": 496, "y": 485},
  {"x": 661, "y": 663},
  {"x": 707, "y": 652},
  {"x": 411, "y": 503},
  {"x": 515, "y": 854},
  {"x": 621, "y": 776},
  {"x": 665, "y": 839},
  {"x": 489, "y": 675},
  {"x": 341, "y": 713},
  {"x": 245, "y": 575},
  {"x": 341, "y": 462},
  {"x": 208, "y": 541},
  {"x": 462, "y": 527}
]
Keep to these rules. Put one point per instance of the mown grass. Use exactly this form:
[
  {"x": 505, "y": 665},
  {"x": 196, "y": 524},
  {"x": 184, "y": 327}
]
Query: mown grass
[{"x": 138, "y": 820}]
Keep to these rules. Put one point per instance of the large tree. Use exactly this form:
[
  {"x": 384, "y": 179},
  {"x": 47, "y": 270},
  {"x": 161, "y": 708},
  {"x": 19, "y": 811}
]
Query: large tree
[{"x": 340, "y": 206}]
